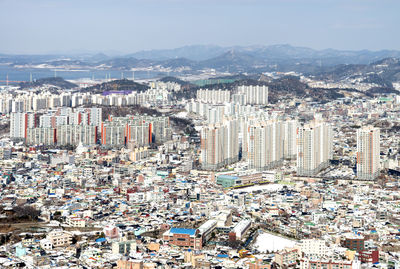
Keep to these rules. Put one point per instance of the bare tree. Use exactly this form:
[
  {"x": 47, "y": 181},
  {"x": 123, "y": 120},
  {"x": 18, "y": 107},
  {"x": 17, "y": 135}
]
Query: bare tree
[{"x": 28, "y": 212}]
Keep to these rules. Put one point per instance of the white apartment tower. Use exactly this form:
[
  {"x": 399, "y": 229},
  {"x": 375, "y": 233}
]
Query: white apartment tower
[
  {"x": 368, "y": 153},
  {"x": 19, "y": 124},
  {"x": 290, "y": 137},
  {"x": 219, "y": 144},
  {"x": 214, "y": 96},
  {"x": 314, "y": 148},
  {"x": 254, "y": 95},
  {"x": 264, "y": 148}
]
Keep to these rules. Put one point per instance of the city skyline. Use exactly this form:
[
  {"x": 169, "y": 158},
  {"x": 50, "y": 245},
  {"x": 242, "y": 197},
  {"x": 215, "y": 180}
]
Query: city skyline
[{"x": 125, "y": 143}]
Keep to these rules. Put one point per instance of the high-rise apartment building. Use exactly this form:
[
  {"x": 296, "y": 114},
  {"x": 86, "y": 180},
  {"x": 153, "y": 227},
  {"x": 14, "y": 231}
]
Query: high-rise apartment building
[
  {"x": 264, "y": 145},
  {"x": 41, "y": 136},
  {"x": 368, "y": 153},
  {"x": 290, "y": 137},
  {"x": 137, "y": 130},
  {"x": 76, "y": 134},
  {"x": 314, "y": 148},
  {"x": 213, "y": 96},
  {"x": 219, "y": 144},
  {"x": 19, "y": 124},
  {"x": 252, "y": 95}
]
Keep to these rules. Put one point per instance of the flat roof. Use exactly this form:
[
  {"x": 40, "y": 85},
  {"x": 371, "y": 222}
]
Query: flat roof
[{"x": 182, "y": 231}]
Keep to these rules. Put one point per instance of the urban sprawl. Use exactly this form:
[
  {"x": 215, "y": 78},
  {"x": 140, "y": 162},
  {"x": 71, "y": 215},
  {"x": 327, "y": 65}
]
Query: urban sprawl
[{"x": 223, "y": 180}]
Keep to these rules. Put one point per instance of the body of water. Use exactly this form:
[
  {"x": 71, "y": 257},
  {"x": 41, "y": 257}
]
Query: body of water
[{"x": 17, "y": 74}]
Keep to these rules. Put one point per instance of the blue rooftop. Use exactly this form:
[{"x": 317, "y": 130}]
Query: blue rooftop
[
  {"x": 222, "y": 256},
  {"x": 227, "y": 177},
  {"x": 183, "y": 231}
]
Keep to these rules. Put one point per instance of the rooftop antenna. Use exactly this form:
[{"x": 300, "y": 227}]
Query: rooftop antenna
[
  {"x": 30, "y": 77},
  {"x": 109, "y": 76},
  {"x": 55, "y": 73},
  {"x": 7, "y": 80},
  {"x": 122, "y": 75},
  {"x": 133, "y": 75}
]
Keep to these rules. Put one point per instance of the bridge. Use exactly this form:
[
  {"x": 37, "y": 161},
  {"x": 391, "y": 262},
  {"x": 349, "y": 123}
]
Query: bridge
[{"x": 12, "y": 81}]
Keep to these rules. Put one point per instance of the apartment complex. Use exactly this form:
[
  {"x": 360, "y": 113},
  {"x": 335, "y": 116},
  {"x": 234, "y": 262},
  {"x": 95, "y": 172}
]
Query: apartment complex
[
  {"x": 251, "y": 95},
  {"x": 19, "y": 124},
  {"x": 136, "y": 130},
  {"x": 213, "y": 96}
]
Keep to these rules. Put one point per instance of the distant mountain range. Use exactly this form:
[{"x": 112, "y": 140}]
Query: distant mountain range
[
  {"x": 273, "y": 52},
  {"x": 235, "y": 59}
]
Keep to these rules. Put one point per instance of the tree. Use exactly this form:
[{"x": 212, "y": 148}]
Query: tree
[
  {"x": 28, "y": 212},
  {"x": 213, "y": 235}
]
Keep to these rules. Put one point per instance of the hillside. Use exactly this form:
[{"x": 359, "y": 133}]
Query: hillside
[
  {"x": 56, "y": 82},
  {"x": 116, "y": 86},
  {"x": 383, "y": 72},
  {"x": 285, "y": 87}
]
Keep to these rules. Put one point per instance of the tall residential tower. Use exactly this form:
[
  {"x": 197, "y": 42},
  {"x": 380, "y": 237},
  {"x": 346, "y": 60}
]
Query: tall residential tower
[
  {"x": 219, "y": 144},
  {"x": 368, "y": 153},
  {"x": 314, "y": 148}
]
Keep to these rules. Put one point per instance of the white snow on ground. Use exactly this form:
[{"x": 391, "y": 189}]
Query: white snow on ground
[
  {"x": 269, "y": 242},
  {"x": 182, "y": 114},
  {"x": 267, "y": 188}
]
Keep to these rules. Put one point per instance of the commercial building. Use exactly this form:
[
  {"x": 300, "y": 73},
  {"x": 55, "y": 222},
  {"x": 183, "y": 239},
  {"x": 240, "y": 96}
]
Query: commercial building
[
  {"x": 227, "y": 181},
  {"x": 354, "y": 242}
]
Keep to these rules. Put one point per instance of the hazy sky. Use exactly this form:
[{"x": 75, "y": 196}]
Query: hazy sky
[{"x": 48, "y": 26}]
